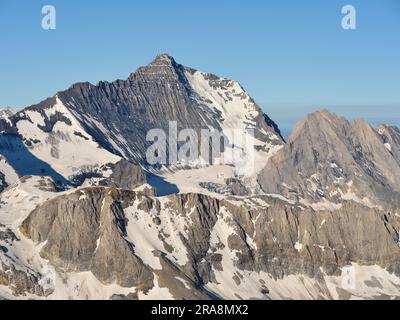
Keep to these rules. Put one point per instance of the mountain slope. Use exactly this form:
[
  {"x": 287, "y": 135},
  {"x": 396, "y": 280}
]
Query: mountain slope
[
  {"x": 329, "y": 159},
  {"x": 105, "y": 242},
  {"x": 81, "y": 131},
  {"x": 49, "y": 141},
  {"x": 119, "y": 114},
  {"x": 316, "y": 218}
]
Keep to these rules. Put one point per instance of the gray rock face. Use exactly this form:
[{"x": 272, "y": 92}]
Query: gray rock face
[
  {"x": 390, "y": 136},
  {"x": 87, "y": 230},
  {"x": 21, "y": 282},
  {"x": 328, "y": 158},
  {"x": 7, "y": 235},
  {"x": 294, "y": 241},
  {"x": 329, "y": 198},
  {"x": 3, "y": 182},
  {"x": 231, "y": 187},
  {"x": 125, "y": 175},
  {"x": 150, "y": 98},
  {"x": 119, "y": 114}
]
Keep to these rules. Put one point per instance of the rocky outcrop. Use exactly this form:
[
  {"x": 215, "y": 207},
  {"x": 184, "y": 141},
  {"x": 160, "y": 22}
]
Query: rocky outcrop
[
  {"x": 118, "y": 115},
  {"x": 85, "y": 231},
  {"x": 22, "y": 282},
  {"x": 289, "y": 240},
  {"x": 20, "y": 279},
  {"x": 78, "y": 133},
  {"x": 326, "y": 200},
  {"x": 153, "y": 96},
  {"x": 125, "y": 175},
  {"x": 90, "y": 229},
  {"x": 329, "y": 159}
]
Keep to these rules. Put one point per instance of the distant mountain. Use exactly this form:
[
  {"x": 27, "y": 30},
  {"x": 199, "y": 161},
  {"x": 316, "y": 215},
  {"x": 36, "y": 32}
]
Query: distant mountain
[
  {"x": 83, "y": 215},
  {"x": 6, "y": 112},
  {"x": 120, "y": 113},
  {"x": 114, "y": 243},
  {"x": 79, "y": 130},
  {"x": 328, "y": 159}
]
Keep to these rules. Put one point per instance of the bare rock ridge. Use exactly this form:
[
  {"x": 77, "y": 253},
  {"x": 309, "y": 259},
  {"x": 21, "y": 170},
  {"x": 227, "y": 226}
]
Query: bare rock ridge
[
  {"x": 329, "y": 159},
  {"x": 152, "y": 96},
  {"x": 93, "y": 229},
  {"x": 85, "y": 231},
  {"x": 78, "y": 219},
  {"x": 75, "y": 134}
]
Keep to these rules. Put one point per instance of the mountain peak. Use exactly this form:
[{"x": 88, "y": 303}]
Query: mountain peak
[
  {"x": 163, "y": 65},
  {"x": 323, "y": 114},
  {"x": 317, "y": 120},
  {"x": 163, "y": 59}
]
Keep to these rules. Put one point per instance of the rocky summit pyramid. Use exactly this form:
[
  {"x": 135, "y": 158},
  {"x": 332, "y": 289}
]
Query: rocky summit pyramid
[
  {"x": 83, "y": 215},
  {"x": 86, "y": 127},
  {"x": 329, "y": 159}
]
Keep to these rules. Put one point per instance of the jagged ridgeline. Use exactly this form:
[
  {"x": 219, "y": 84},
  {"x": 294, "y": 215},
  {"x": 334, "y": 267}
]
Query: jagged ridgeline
[
  {"x": 89, "y": 126},
  {"x": 329, "y": 159},
  {"x": 83, "y": 215}
]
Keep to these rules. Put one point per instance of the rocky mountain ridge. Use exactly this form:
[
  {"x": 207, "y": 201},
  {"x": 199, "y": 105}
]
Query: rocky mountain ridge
[
  {"x": 328, "y": 159},
  {"x": 195, "y": 246},
  {"x": 83, "y": 216}
]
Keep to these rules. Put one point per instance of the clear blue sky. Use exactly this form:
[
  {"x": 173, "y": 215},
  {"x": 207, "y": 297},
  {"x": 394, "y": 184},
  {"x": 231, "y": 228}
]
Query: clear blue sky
[{"x": 292, "y": 56}]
